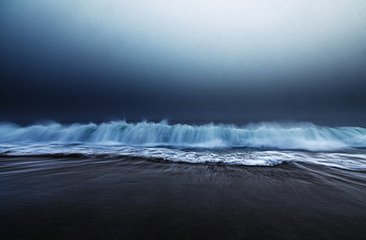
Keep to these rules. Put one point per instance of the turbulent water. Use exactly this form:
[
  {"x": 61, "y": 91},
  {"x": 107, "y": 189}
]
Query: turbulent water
[{"x": 264, "y": 144}]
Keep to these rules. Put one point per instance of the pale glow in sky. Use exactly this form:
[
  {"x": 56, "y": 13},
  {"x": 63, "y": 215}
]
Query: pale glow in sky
[
  {"x": 248, "y": 36},
  {"x": 234, "y": 32}
]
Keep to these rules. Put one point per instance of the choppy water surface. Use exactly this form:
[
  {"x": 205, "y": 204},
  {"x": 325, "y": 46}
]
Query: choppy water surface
[{"x": 265, "y": 144}]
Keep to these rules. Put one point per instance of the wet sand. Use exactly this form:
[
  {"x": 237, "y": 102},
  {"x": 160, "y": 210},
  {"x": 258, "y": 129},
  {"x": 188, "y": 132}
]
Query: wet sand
[{"x": 130, "y": 198}]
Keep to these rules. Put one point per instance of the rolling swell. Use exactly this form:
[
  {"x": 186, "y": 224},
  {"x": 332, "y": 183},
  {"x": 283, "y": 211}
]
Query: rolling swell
[{"x": 305, "y": 136}]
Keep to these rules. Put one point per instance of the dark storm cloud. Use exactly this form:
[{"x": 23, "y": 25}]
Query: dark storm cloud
[{"x": 73, "y": 61}]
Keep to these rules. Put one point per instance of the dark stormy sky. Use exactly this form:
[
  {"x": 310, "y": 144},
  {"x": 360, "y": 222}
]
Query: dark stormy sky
[{"x": 183, "y": 60}]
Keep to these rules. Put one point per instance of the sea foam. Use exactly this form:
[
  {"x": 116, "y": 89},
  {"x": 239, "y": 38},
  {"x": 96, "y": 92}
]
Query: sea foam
[{"x": 305, "y": 136}]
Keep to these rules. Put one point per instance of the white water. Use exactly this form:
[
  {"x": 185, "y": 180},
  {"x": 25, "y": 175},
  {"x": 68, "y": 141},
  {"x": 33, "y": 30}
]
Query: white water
[
  {"x": 265, "y": 144},
  {"x": 304, "y": 136}
]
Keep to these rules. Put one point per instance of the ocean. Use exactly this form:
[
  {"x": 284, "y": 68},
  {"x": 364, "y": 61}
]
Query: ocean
[{"x": 262, "y": 144}]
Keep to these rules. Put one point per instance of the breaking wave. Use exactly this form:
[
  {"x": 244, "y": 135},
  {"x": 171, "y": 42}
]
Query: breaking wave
[
  {"x": 263, "y": 144},
  {"x": 305, "y": 136}
]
